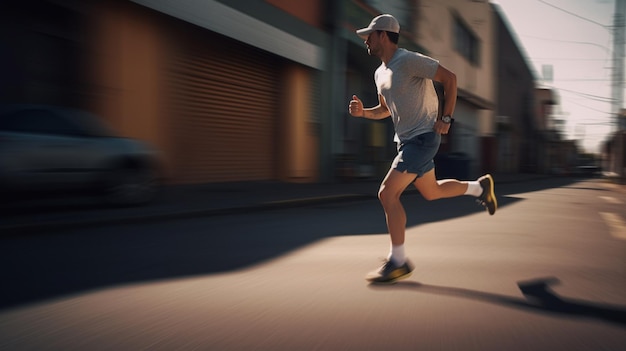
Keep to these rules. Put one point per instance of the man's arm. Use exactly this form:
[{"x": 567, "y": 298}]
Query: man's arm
[
  {"x": 448, "y": 80},
  {"x": 379, "y": 111}
]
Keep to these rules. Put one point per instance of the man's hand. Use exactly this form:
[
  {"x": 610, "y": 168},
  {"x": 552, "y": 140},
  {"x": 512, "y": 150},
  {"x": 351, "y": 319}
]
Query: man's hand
[
  {"x": 441, "y": 127},
  {"x": 356, "y": 107}
]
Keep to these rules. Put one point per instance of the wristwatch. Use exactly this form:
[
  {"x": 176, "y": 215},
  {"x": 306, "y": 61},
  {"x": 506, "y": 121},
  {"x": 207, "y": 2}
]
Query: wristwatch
[{"x": 447, "y": 119}]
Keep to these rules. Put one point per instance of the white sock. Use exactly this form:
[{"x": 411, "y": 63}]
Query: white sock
[
  {"x": 397, "y": 255},
  {"x": 474, "y": 188}
]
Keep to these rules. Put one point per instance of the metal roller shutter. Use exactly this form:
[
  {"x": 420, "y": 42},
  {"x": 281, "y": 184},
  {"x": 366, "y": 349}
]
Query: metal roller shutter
[{"x": 224, "y": 108}]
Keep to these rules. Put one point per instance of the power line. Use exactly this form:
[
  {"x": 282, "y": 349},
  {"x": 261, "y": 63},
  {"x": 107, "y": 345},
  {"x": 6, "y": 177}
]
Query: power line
[
  {"x": 602, "y": 124},
  {"x": 606, "y": 49},
  {"x": 591, "y": 108},
  {"x": 565, "y": 59},
  {"x": 584, "y": 80},
  {"x": 576, "y": 15},
  {"x": 588, "y": 96}
]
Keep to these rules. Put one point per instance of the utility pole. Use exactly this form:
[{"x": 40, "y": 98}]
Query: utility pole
[{"x": 619, "y": 37}]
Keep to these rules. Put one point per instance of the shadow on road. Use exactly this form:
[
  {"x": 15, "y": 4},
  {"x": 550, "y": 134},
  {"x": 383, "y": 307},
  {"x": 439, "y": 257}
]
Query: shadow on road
[{"x": 539, "y": 298}]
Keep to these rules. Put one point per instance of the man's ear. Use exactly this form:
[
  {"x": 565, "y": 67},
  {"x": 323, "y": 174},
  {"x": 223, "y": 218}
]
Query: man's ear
[{"x": 384, "y": 34}]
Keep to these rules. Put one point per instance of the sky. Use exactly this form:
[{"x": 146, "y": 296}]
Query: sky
[{"x": 575, "y": 38}]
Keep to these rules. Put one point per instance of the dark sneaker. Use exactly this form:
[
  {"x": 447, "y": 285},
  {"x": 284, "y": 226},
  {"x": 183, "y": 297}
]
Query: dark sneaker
[
  {"x": 390, "y": 273},
  {"x": 488, "y": 197}
]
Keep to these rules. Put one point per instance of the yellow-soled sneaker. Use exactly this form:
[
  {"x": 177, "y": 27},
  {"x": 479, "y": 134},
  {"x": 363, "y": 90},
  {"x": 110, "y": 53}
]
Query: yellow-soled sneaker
[
  {"x": 390, "y": 273},
  {"x": 488, "y": 197}
]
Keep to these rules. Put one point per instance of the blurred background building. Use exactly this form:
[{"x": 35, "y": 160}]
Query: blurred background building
[{"x": 250, "y": 90}]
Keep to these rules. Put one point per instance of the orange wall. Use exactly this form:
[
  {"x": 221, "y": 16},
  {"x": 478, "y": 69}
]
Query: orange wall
[
  {"x": 128, "y": 66},
  {"x": 298, "y": 144}
]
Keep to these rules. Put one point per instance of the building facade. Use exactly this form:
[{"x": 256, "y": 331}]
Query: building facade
[
  {"x": 461, "y": 34},
  {"x": 228, "y": 90},
  {"x": 516, "y": 121},
  {"x": 258, "y": 90},
  {"x": 225, "y": 92}
]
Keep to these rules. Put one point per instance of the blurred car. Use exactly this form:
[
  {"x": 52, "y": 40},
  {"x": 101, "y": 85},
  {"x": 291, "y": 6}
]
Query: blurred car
[
  {"x": 589, "y": 171},
  {"x": 51, "y": 149}
]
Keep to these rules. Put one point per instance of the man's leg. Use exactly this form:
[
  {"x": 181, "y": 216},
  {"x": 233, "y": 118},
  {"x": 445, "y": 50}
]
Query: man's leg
[
  {"x": 483, "y": 189},
  {"x": 396, "y": 266},
  {"x": 389, "y": 195},
  {"x": 432, "y": 189}
]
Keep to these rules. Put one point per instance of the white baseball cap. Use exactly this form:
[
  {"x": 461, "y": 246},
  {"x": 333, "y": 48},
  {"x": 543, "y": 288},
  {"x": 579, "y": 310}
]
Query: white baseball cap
[{"x": 387, "y": 23}]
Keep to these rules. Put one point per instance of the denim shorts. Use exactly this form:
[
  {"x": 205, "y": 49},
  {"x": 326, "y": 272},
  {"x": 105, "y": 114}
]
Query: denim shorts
[{"x": 416, "y": 155}]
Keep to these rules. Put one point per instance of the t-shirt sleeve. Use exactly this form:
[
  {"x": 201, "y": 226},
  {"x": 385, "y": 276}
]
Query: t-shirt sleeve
[{"x": 423, "y": 66}]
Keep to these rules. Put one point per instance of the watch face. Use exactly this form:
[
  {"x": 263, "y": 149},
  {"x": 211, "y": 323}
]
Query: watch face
[{"x": 446, "y": 119}]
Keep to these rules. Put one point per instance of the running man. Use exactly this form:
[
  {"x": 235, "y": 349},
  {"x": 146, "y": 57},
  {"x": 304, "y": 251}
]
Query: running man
[{"x": 404, "y": 81}]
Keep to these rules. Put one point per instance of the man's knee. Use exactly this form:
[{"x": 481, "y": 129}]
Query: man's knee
[
  {"x": 382, "y": 194},
  {"x": 387, "y": 196}
]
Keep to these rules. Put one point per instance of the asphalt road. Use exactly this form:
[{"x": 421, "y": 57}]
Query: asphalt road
[{"x": 547, "y": 272}]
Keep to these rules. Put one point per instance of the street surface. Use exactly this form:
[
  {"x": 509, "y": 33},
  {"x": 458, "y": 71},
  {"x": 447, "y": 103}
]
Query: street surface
[{"x": 546, "y": 272}]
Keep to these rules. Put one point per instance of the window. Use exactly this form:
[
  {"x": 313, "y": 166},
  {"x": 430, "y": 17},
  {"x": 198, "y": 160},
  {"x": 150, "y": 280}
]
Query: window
[{"x": 465, "y": 42}]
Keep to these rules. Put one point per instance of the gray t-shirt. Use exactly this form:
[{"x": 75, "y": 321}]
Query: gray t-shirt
[{"x": 406, "y": 84}]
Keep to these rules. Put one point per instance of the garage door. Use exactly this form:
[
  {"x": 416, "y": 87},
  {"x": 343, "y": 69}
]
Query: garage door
[{"x": 223, "y": 110}]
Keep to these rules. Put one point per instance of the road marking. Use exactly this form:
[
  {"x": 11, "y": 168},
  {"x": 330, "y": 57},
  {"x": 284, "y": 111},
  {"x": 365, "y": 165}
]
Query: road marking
[
  {"x": 616, "y": 224},
  {"x": 612, "y": 200}
]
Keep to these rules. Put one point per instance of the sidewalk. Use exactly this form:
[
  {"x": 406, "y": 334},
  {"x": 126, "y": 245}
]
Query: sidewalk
[{"x": 188, "y": 201}]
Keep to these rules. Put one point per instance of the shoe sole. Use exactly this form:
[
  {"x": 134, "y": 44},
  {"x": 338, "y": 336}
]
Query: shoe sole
[
  {"x": 492, "y": 195},
  {"x": 390, "y": 281}
]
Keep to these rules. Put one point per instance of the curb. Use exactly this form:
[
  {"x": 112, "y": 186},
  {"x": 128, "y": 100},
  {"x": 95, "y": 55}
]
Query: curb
[{"x": 29, "y": 228}]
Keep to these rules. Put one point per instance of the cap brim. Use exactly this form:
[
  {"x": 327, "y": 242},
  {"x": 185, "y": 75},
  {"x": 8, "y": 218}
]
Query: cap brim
[{"x": 364, "y": 33}]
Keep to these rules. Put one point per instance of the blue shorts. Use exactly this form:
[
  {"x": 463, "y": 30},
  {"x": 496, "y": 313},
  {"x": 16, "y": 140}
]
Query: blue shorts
[{"x": 416, "y": 155}]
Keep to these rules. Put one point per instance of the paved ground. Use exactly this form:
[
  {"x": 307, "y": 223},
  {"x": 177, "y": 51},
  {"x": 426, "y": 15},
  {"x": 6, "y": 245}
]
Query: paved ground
[{"x": 545, "y": 273}]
